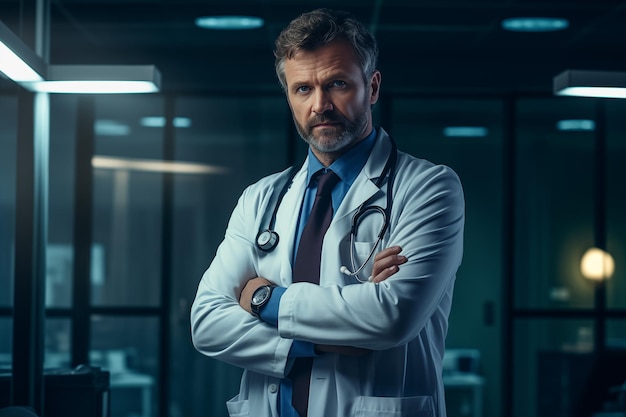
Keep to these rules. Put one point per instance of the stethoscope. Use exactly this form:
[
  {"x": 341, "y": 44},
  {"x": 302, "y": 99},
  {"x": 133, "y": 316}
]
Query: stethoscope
[{"x": 267, "y": 239}]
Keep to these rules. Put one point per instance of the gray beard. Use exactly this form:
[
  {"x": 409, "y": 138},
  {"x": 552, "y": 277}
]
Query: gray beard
[{"x": 350, "y": 134}]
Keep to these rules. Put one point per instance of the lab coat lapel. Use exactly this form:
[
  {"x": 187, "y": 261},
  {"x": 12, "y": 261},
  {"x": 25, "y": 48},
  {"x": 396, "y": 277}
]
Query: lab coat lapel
[
  {"x": 364, "y": 186},
  {"x": 287, "y": 223},
  {"x": 362, "y": 190}
]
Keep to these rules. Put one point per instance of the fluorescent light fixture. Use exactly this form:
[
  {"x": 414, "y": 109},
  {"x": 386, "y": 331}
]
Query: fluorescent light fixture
[
  {"x": 229, "y": 22},
  {"x": 152, "y": 165},
  {"x": 576, "y": 125},
  {"x": 99, "y": 79},
  {"x": 17, "y": 61},
  {"x": 535, "y": 24},
  {"x": 111, "y": 128},
  {"x": 465, "y": 131},
  {"x": 158, "y": 121},
  {"x": 582, "y": 83}
]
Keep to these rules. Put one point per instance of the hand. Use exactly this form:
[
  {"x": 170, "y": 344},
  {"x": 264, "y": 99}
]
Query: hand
[
  {"x": 386, "y": 263},
  {"x": 246, "y": 293}
]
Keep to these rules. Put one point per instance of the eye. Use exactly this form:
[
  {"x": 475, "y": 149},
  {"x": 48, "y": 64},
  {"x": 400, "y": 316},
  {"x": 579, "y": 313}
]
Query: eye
[
  {"x": 302, "y": 89},
  {"x": 338, "y": 84}
]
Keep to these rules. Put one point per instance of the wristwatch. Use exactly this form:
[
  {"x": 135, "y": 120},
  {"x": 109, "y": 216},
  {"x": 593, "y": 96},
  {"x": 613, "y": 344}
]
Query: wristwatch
[{"x": 260, "y": 297}]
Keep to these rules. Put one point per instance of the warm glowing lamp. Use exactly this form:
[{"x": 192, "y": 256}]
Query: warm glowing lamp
[{"x": 597, "y": 264}]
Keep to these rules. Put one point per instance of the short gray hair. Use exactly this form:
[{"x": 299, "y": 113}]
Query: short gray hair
[{"x": 318, "y": 28}]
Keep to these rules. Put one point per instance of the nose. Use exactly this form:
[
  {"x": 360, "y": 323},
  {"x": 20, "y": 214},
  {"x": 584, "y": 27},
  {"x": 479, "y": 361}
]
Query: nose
[{"x": 321, "y": 102}]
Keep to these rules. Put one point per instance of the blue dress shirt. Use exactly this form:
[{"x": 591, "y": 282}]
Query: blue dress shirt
[{"x": 347, "y": 167}]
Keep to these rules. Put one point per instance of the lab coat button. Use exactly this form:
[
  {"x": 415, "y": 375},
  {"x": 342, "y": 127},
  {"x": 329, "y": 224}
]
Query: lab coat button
[{"x": 273, "y": 388}]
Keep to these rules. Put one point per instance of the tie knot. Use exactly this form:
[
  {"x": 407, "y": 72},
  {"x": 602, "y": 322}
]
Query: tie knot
[{"x": 326, "y": 181}]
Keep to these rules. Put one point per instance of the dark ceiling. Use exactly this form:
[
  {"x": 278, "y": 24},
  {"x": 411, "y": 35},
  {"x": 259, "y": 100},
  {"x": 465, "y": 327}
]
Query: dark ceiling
[{"x": 426, "y": 46}]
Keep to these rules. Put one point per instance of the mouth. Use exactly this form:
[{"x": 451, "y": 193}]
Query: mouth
[{"x": 325, "y": 125}]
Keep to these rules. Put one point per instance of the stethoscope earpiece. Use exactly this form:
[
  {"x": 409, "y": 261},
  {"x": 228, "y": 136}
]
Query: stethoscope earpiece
[
  {"x": 267, "y": 240},
  {"x": 345, "y": 270}
]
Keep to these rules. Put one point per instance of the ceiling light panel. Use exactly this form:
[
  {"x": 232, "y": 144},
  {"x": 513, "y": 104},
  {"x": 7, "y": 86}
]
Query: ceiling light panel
[
  {"x": 99, "y": 79},
  {"x": 535, "y": 24},
  {"x": 465, "y": 131},
  {"x": 17, "y": 61},
  {"x": 583, "y": 83},
  {"x": 229, "y": 22}
]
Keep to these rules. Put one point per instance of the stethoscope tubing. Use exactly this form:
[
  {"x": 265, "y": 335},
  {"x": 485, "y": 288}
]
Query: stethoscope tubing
[{"x": 267, "y": 239}]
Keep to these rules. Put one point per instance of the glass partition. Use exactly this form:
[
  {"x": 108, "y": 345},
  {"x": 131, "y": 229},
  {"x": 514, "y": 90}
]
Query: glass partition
[
  {"x": 6, "y": 341},
  {"x": 57, "y": 343},
  {"x": 244, "y": 139},
  {"x": 554, "y": 202},
  {"x": 128, "y": 348},
  {"x": 616, "y": 200},
  {"x": 8, "y": 151},
  {"x": 59, "y": 252},
  {"x": 553, "y": 360},
  {"x": 127, "y": 198}
]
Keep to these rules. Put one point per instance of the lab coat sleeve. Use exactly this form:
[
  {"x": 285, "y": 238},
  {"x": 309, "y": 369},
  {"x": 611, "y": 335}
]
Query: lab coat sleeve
[
  {"x": 427, "y": 222},
  {"x": 220, "y": 328}
]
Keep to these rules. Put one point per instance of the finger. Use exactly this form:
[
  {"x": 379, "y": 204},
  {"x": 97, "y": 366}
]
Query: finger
[
  {"x": 389, "y": 261},
  {"x": 384, "y": 274},
  {"x": 392, "y": 250}
]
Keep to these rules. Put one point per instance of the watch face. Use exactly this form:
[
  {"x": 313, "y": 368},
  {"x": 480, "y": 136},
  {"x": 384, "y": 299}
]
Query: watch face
[{"x": 260, "y": 295}]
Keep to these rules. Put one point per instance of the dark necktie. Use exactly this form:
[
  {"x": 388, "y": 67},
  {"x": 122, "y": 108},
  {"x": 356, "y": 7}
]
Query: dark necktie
[{"x": 307, "y": 268}]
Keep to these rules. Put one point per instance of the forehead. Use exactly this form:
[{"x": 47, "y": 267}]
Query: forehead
[{"x": 336, "y": 57}]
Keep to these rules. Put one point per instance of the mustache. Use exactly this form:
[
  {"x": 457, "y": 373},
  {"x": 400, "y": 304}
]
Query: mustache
[{"x": 327, "y": 117}]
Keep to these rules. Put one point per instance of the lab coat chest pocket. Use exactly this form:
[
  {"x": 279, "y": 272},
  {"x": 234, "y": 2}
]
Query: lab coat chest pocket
[
  {"x": 369, "y": 225},
  {"x": 422, "y": 406},
  {"x": 237, "y": 407}
]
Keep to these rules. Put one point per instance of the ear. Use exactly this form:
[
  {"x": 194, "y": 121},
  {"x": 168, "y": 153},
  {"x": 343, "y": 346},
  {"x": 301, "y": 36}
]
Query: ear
[{"x": 374, "y": 87}]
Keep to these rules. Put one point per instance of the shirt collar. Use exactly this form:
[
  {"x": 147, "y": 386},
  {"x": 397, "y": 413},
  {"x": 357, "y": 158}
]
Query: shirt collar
[{"x": 348, "y": 166}]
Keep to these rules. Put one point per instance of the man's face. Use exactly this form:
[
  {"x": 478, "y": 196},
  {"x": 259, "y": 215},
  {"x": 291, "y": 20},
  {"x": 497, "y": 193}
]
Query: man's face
[{"x": 329, "y": 100}]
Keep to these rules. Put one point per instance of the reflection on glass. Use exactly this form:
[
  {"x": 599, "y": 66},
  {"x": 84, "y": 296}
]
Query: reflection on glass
[
  {"x": 552, "y": 361},
  {"x": 127, "y": 204},
  {"x": 6, "y": 343},
  {"x": 59, "y": 251},
  {"x": 616, "y": 334},
  {"x": 128, "y": 348},
  {"x": 57, "y": 344},
  {"x": 8, "y": 151}
]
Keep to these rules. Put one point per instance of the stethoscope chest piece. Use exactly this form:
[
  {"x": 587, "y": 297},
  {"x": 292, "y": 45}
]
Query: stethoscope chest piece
[{"x": 267, "y": 240}]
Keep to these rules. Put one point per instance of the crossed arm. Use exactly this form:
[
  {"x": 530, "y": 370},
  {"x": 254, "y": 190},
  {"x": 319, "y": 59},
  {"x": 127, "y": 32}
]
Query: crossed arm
[{"x": 386, "y": 263}]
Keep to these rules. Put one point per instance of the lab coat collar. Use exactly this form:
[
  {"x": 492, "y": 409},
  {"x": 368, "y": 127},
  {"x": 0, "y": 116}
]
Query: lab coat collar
[{"x": 364, "y": 186}]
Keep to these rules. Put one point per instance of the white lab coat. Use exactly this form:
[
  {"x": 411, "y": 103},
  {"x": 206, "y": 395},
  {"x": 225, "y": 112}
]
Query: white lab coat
[{"x": 403, "y": 320}]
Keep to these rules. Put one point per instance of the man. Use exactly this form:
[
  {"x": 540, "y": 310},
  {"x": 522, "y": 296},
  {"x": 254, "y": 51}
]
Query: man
[{"x": 362, "y": 348}]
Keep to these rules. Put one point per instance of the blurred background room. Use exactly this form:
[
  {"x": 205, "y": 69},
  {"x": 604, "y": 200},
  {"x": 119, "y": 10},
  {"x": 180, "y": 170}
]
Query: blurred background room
[{"x": 112, "y": 205}]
